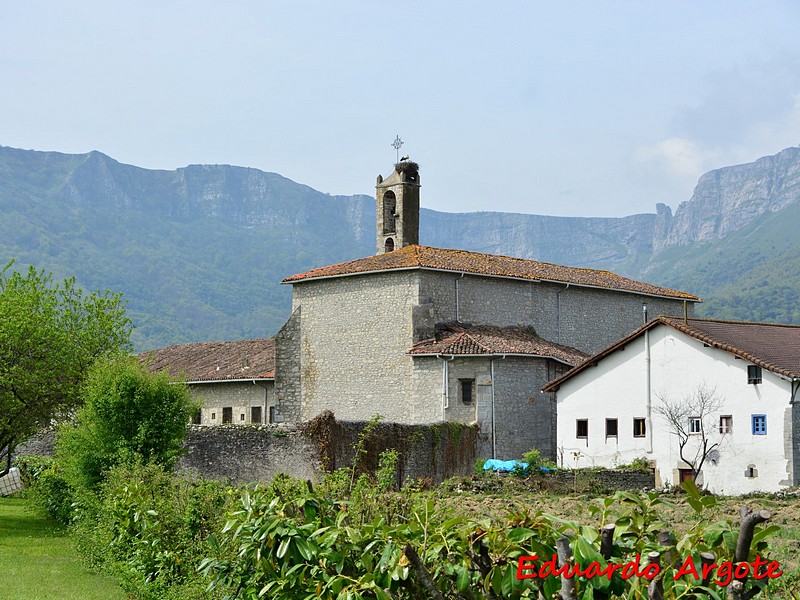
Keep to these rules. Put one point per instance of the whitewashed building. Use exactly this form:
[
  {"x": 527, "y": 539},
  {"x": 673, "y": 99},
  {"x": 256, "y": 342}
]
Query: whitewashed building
[{"x": 609, "y": 407}]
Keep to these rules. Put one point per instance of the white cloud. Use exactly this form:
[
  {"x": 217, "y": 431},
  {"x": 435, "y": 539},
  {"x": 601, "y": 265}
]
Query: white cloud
[{"x": 678, "y": 157}]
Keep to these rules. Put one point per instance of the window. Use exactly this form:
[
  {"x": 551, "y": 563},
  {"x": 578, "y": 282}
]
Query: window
[
  {"x": 753, "y": 374},
  {"x": 582, "y": 428},
  {"x": 389, "y": 245},
  {"x": 639, "y": 427},
  {"x": 213, "y": 416},
  {"x": 726, "y": 424},
  {"x": 271, "y": 414},
  {"x": 227, "y": 415},
  {"x": 241, "y": 417},
  {"x": 197, "y": 418},
  {"x": 611, "y": 427},
  {"x": 389, "y": 208},
  {"x": 255, "y": 414},
  {"x": 695, "y": 426},
  {"x": 759, "y": 424},
  {"x": 467, "y": 389}
]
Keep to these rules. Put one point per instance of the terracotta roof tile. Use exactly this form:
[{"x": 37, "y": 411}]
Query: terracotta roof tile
[
  {"x": 771, "y": 346},
  {"x": 212, "y": 361},
  {"x": 425, "y": 257},
  {"x": 462, "y": 339}
]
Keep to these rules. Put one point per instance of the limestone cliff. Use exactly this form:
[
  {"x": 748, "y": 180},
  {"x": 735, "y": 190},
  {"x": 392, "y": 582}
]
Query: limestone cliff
[{"x": 727, "y": 200}]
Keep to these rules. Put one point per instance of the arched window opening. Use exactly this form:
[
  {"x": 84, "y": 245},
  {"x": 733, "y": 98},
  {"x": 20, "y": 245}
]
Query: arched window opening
[
  {"x": 389, "y": 207},
  {"x": 389, "y": 246}
]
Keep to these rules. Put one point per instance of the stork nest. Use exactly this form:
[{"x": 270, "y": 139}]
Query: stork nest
[{"x": 408, "y": 167}]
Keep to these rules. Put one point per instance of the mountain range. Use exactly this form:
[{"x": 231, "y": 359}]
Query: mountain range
[{"x": 199, "y": 252}]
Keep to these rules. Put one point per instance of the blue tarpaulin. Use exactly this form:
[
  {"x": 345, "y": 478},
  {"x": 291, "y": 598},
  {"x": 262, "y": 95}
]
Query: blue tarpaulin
[
  {"x": 508, "y": 466},
  {"x": 503, "y": 466}
]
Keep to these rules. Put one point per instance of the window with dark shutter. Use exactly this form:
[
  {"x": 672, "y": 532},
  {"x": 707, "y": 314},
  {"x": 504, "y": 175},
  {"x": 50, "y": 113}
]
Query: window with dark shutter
[
  {"x": 753, "y": 374},
  {"x": 467, "y": 390}
]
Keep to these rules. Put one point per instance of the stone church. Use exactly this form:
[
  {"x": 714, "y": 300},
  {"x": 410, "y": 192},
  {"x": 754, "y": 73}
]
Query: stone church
[{"x": 420, "y": 334}]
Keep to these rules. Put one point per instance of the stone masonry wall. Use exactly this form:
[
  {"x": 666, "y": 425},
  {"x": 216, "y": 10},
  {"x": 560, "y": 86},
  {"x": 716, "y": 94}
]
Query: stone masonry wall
[
  {"x": 287, "y": 370},
  {"x": 248, "y": 453},
  {"x": 243, "y": 454},
  {"x": 791, "y": 440},
  {"x": 586, "y": 318},
  {"x": 356, "y": 332},
  {"x": 608, "y": 479},
  {"x": 240, "y": 396},
  {"x": 525, "y": 417},
  {"x": 432, "y": 452}
]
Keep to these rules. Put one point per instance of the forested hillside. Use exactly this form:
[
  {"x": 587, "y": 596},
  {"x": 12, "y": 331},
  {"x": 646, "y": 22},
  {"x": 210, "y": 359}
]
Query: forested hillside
[{"x": 199, "y": 252}]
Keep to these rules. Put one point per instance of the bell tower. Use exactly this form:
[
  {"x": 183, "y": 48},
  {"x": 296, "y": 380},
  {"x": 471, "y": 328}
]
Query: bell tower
[{"x": 397, "y": 208}]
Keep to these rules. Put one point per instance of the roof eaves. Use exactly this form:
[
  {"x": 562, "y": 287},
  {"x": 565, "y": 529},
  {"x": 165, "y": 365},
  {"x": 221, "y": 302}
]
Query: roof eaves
[
  {"x": 596, "y": 358},
  {"x": 743, "y": 354},
  {"x": 678, "y": 295},
  {"x": 490, "y": 355},
  {"x": 352, "y": 274},
  {"x": 238, "y": 380}
]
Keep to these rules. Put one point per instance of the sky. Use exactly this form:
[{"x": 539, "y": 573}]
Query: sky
[{"x": 572, "y": 108}]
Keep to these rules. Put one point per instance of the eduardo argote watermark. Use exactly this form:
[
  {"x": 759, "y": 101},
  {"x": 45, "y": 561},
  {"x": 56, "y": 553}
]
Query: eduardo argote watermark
[{"x": 531, "y": 567}]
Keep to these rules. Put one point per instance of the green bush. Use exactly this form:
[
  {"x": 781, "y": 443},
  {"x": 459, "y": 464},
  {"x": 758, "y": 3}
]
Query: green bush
[
  {"x": 536, "y": 461},
  {"x": 150, "y": 527},
  {"x": 129, "y": 416},
  {"x": 47, "y": 487}
]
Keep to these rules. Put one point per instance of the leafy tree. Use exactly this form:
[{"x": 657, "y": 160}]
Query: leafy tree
[
  {"x": 129, "y": 415},
  {"x": 50, "y": 334}
]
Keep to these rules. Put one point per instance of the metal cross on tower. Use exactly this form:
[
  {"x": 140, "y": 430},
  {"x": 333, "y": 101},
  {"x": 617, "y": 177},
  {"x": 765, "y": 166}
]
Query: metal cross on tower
[{"x": 396, "y": 145}]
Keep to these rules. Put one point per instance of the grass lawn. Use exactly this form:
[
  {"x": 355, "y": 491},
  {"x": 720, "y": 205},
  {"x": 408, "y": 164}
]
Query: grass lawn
[{"x": 38, "y": 562}]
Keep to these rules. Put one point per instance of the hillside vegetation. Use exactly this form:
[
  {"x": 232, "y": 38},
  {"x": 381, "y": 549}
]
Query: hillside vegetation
[{"x": 199, "y": 252}]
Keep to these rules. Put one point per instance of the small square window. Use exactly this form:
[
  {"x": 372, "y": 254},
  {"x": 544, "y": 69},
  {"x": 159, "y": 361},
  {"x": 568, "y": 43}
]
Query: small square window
[
  {"x": 726, "y": 424},
  {"x": 467, "y": 390},
  {"x": 753, "y": 374},
  {"x": 695, "y": 425},
  {"x": 611, "y": 427},
  {"x": 639, "y": 427},
  {"x": 241, "y": 417},
  {"x": 582, "y": 428},
  {"x": 213, "y": 416},
  {"x": 759, "y": 424}
]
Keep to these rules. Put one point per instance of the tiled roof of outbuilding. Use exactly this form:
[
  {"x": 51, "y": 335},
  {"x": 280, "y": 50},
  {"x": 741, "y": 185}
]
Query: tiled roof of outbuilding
[
  {"x": 772, "y": 346},
  {"x": 461, "y": 339},
  {"x": 215, "y": 361},
  {"x": 462, "y": 261}
]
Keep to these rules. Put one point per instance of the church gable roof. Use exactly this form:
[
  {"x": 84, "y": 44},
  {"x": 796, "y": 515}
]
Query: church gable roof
[
  {"x": 458, "y": 339},
  {"x": 491, "y": 265},
  {"x": 215, "y": 361}
]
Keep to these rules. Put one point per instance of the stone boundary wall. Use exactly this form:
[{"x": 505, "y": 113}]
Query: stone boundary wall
[
  {"x": 610, "y": 479},
  {"x": 433, "y": 453},
  {"x": 246, "y": 453},
  {"x": 243, "y": 453}
]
